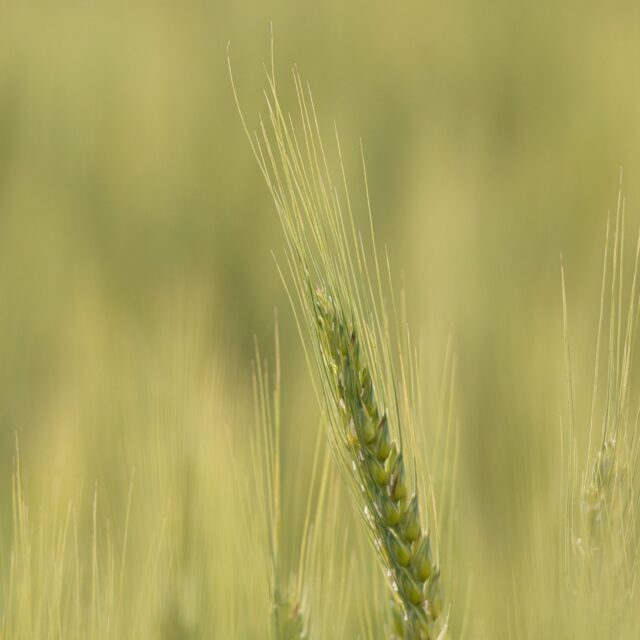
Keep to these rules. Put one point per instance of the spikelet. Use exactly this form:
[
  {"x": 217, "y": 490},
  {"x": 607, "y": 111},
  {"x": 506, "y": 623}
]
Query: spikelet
[{"x": 288, "y": 619}]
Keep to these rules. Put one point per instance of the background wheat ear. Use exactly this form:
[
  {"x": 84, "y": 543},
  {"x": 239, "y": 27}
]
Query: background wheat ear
[
  {"x": 287, "y": 615},
  {"x": 601, "y": 493},
  {"x": 294, "y": 576},
  {"x": 351, "y": 337}
]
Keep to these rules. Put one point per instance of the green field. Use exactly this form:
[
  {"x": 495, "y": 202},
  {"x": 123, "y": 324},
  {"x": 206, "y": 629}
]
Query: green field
[{"x": 159, "y": 476}]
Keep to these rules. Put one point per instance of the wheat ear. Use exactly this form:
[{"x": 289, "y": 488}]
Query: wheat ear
[
  {"x": 377, "y": 464},
  {"x": 338, "y": 301}
]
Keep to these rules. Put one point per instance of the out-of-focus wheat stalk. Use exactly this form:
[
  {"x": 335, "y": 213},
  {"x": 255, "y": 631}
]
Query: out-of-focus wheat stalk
[
  {"x": 601, "y": 494},
  {"x": 291, "y": 591}
]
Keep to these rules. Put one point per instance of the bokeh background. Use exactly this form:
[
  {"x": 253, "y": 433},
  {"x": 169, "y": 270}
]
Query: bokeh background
[{"x": 135, "y": 227}]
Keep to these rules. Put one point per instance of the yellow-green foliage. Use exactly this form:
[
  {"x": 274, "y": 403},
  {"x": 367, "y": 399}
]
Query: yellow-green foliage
[
  {"x": 198, "y": 540},
  {"x": 135, "y": 268}
]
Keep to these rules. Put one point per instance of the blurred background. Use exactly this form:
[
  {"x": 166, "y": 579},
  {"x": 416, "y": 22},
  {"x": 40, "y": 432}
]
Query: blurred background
[{"x": 134, "y": 223}]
